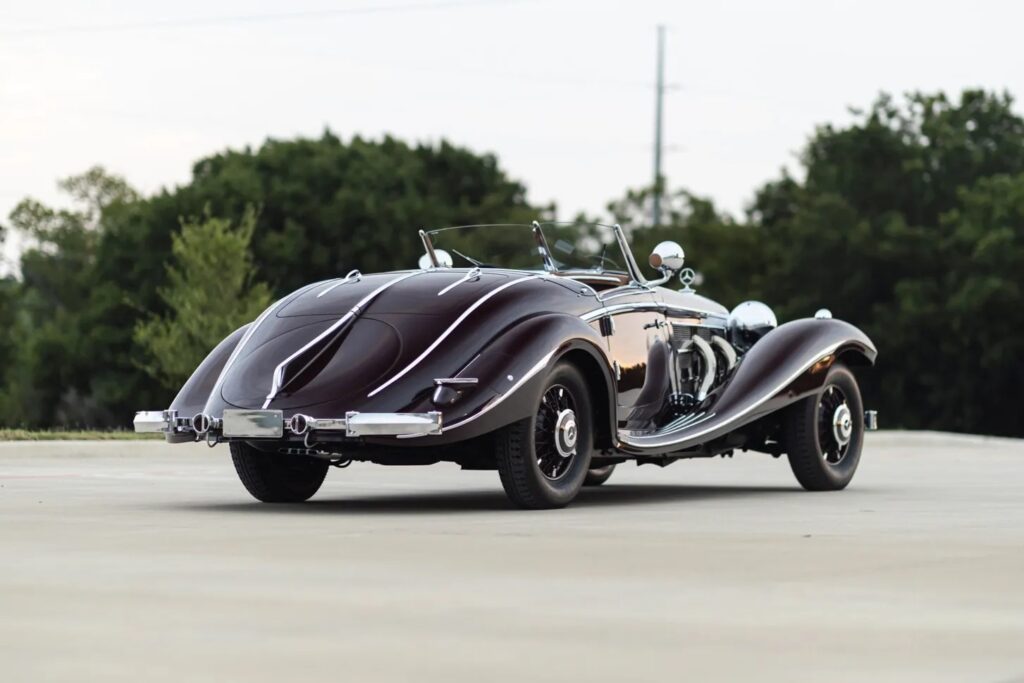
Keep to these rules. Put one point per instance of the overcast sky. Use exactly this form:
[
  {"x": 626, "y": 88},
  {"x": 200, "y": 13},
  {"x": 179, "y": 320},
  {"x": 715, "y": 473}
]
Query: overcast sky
[{"x": 561, "y": 90}]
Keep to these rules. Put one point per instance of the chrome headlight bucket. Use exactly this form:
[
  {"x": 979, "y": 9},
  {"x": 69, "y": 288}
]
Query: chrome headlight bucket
[{"x": 750, "y": 321}]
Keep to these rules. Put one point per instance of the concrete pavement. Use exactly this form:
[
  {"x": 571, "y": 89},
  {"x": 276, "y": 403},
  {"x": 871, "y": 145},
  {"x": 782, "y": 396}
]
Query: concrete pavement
[{"x": 137, "y": 561}]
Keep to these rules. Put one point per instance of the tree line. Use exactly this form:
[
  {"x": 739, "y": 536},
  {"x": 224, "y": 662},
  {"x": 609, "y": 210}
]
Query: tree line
[{"x": 908, "y": 222}]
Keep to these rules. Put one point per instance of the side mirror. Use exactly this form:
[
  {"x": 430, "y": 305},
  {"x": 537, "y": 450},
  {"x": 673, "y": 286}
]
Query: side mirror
[{"x": 667, "y": 257}]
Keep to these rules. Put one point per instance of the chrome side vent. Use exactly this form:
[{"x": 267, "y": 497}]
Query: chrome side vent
[{"x": 681, "y": 336}]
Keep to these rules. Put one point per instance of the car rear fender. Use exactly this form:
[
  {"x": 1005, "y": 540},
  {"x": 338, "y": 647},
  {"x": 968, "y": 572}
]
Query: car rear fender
[
  {"x": 511, "y": 371},
  {"x": 193, "y": 395}
]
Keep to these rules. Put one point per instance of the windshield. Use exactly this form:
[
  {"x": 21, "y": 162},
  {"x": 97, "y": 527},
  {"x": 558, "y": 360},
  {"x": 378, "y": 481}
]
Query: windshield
[{"x": 572, "y": 247}]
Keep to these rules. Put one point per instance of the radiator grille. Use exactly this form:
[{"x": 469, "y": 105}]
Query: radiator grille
[{"x": 682, "y": 334}]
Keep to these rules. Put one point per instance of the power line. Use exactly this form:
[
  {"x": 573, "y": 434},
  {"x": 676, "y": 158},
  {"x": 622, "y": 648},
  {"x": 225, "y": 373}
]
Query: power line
[{"x": 199, "y": 22}]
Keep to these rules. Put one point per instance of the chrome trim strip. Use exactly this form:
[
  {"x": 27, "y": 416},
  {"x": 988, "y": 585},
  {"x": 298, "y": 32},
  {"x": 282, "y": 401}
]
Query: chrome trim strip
[
  {"x": 444, "y": 335},
  {"x": 353, "y": 276},
  {"x": 275, "y": 386},
  {"x": 542, "y": 247},
  {"x": 631, "y": 265},
  {"x": 429, "y": 247},
  {"x": 473, "y": 274},
  {"x": 584, "y": 276},
  {"x": 711, "y": 316},
  {"x": 248, "y": 335},
  {"x": 455, "y": 381},
  {"x": 702, "y": 311},
  {"x": 688, "y": 420},
  {"x": 620, "y": 308},
  {"x": 657, "y": 440},
  {"x": 632, "y": 289}
]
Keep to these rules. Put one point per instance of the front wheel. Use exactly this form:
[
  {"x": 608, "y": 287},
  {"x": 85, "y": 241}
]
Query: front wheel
[
  {"x": 275, "y": 478},
  {"x": 824, "y": 433},
  {"x": 544, "y": 459}
]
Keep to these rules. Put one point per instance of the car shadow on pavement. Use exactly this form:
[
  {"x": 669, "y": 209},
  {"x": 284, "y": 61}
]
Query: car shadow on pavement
[{"x": 449, "y": 501}]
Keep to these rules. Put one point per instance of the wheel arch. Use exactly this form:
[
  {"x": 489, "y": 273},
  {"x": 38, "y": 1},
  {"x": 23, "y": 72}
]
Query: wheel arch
[{"x": 598, "y": 378}]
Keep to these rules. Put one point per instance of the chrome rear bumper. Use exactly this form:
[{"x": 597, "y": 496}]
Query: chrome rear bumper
[{"x": 271, "y": 424}]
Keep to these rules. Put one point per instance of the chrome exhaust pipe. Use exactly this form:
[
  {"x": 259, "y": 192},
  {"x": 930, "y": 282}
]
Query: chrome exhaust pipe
[
  {"x": 710, "y": 367},
  {"x": 201, "y": 423},
  {"x": 299, "y": 424}
]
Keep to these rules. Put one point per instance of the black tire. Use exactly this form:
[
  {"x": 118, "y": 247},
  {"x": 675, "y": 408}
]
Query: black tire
[
  {"x": 533, "y": 472},
  {"x": 275, "y": 478},
  {"x": 817, "y": 457},
  {"x": 598, "y": 475}
]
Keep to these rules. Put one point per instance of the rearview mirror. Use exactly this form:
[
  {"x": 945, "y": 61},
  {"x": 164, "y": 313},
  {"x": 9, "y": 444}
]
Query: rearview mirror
[{"x": 667, "y": 257}]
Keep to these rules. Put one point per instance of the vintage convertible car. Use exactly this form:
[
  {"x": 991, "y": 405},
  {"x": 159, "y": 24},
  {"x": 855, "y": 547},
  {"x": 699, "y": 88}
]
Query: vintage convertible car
[{"x": 552, "y": 367}]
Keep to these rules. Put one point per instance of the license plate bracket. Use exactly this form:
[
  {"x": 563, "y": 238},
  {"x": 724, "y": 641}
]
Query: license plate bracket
[{"x": 256, "y": 424}]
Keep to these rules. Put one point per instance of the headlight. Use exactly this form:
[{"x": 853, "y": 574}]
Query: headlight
[{"x": 750, "y": 321}]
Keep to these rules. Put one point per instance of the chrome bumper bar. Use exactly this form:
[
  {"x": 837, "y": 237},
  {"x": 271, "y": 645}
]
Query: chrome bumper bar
[{"x": 270, "y": 424}]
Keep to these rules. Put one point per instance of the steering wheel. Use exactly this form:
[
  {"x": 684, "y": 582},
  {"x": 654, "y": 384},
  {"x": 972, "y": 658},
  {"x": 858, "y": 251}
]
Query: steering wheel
[{"x": 600, "y": 259}]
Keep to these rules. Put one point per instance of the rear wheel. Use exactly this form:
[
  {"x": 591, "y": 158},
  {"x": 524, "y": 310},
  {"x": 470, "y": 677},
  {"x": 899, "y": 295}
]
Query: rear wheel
[
  {"x": 598, "y": 475},
  {"x": 274, "y": 478},
  {"x": 544, "y": 459},
  {"x": 824, "y": 433}
]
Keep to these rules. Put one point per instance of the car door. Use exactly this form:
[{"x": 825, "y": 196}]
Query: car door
[{"x": 636, "y": 330}]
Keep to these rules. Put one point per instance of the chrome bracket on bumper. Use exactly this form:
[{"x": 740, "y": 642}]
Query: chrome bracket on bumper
[
  {"x": 870, "y": 420},
  {"x": 157, "y": 421},
  {"x": 392, "y": 424}
]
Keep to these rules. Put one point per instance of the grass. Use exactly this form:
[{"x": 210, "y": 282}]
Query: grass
[{"x": 71, "y": 435}]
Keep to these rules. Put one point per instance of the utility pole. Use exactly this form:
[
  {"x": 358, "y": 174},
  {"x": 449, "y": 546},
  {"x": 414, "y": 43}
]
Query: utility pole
[{"x": 657, "y": 126}]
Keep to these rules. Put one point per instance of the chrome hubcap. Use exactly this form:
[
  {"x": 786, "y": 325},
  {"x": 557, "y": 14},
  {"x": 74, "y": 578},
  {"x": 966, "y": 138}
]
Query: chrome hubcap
[
  {"x": 566, "y": 433},
  {"x": 842, "y": 424},
  {"x": 835, "y": 425}
]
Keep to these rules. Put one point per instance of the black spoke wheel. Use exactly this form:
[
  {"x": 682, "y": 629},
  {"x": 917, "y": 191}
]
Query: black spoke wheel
[
  {"x": 543, "y": 459},
  {"x": 555, "y": 431},
  {"x": 824, "y": 433}
]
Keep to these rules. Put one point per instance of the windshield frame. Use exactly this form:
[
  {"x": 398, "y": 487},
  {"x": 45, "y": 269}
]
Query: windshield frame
[{"x": 632, "y": 269}]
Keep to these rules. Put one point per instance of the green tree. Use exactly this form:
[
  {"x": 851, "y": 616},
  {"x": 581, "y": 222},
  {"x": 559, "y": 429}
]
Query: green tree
[
  {"x": 209, "y": 294},
  {"x": 908, "y": 222},
  {"x": 56, "y": 351},
  {"x": 908, "y": 225},
  {"x": 327, "y": 205}
]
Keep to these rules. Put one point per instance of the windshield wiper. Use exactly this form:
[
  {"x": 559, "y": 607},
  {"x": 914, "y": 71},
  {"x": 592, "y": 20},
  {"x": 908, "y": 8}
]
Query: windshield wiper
[{"x": 478, "y": 264}]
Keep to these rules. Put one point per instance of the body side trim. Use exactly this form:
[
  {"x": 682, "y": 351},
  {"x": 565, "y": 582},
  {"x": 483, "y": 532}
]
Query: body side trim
[
  {"x": 353, "y": 276},
  {"x": 245, "y": 338},
  {"x": 275, "y": 386},
  {"x": 527, "y": 376},
  {"x": 451, "y": 328}
]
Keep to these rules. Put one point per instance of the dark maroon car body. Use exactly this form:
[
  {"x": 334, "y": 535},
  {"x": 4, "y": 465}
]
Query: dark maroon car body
[{"x": 472, "y": 347}]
